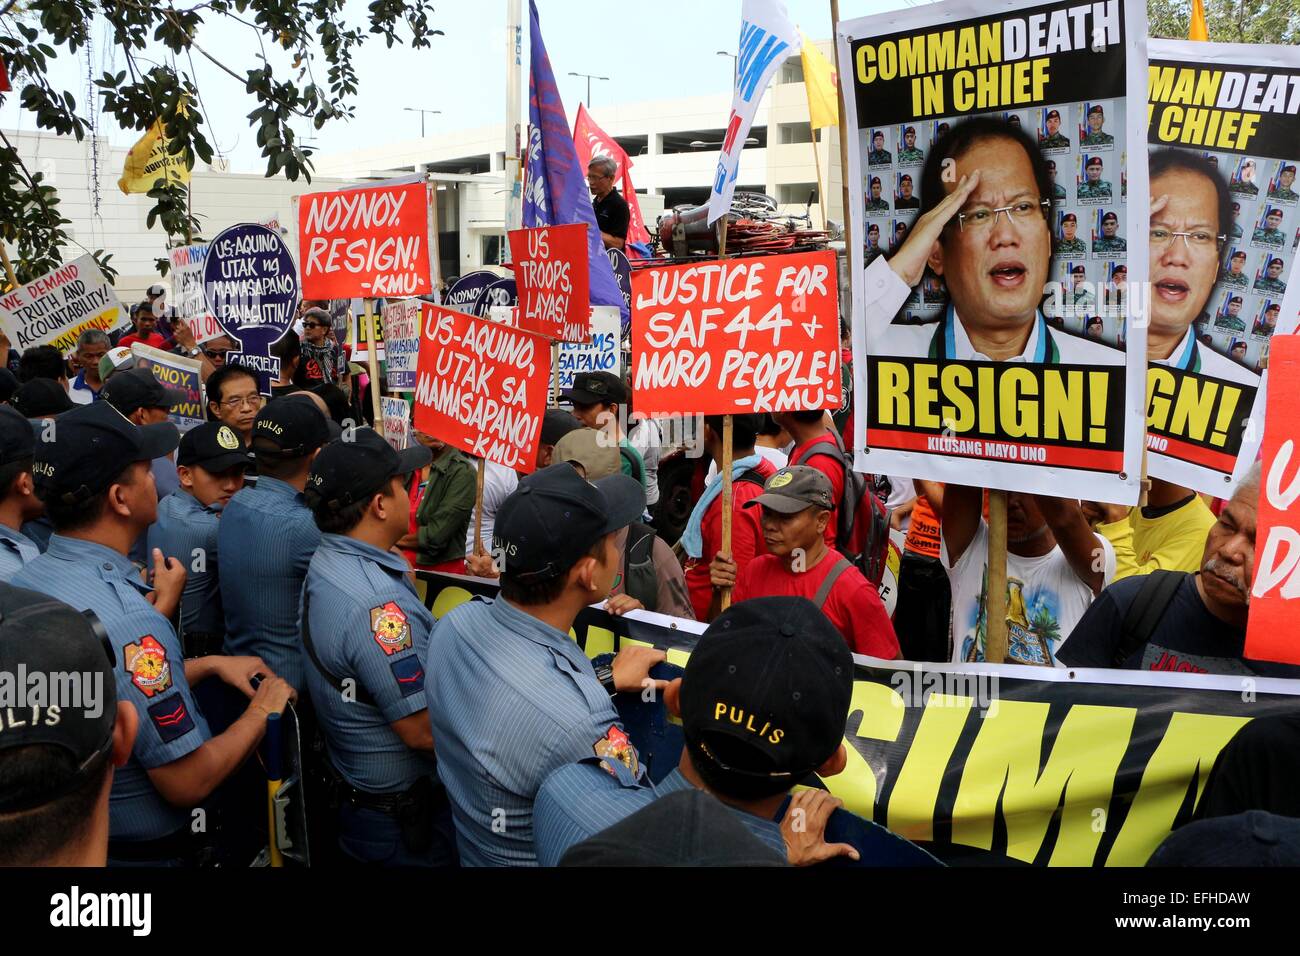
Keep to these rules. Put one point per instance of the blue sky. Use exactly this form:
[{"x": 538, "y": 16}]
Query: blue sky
[{"x": 652, "y": 50}]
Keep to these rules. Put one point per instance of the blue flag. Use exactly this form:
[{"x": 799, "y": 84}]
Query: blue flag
[{"x": 556, "y": 192}]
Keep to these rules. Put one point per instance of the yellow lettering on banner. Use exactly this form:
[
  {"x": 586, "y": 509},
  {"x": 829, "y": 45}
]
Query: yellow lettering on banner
[
  {"x": 916, "y": 789},
  {"x": 1006, "y": 84},
  {"x": 960, "y": 415},
  {"x": 1056, "y": 396},
  {"x": 940, "y": 51},
  {"x": 911, "y": 55},
  {"x": 891, "y": 394},
  {"x": 1017, "y": 416},
  {"x": 926, "y": 397},
  {"x": 1184, "y": 756},
  {"x": 1004, "y": 761},
  {"x": 882, "y": 712},
  {"x": 1190, "y": 407}
]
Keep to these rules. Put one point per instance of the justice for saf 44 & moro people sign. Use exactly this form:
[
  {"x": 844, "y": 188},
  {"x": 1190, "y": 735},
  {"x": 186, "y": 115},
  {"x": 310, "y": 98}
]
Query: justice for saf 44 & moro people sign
[
  {"x": 737, "y": 336},
  {"x": 482, "y": 387},
  {"x": 251, "y": 286},
  {"x": 56, "y": 308},
  {"x": 551, "y": 276},
  {"x": 368, "y": 242}
]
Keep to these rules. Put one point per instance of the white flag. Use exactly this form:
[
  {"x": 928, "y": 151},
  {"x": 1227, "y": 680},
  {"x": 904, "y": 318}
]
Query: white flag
[{"x": 767, "y": 37}]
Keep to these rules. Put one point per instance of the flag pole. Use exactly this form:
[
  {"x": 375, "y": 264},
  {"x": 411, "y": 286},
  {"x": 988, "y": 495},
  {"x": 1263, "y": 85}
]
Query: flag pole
[
  {"x": 514, "y": 73},
  {"x": 724, "y": 467},
  {"x": 844, "y": 133},
  {"x": 995, "y": 598},
  {"x": 817, "y": 160}
]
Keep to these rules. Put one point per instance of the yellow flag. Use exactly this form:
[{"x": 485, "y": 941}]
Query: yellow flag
[
  {"x": 148, "y": 161},
  {"x": 819, "y": 80},
  {"x": 1197, "y": 30}
]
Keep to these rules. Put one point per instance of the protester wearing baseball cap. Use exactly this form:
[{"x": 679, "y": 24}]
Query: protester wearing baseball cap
[
  {"x": 41, "y": 398},
  {"x": 56, "y": 770},
  {"x": 763, "y": 703},
  {"x": 138, "y": 395},
  {"x": 556, "y": 423},
  {"x": 597, "y": 398},
  {"x": 18, "y": 502},
  {"x": 210, "y": 464},
  {"x": 365, "y": 627},
  {"x": 796, "y": 504},
  {"x": 511, "y": 696},
  {"x": 93, "y": 474},
  {"x": 266, "y": 537}
]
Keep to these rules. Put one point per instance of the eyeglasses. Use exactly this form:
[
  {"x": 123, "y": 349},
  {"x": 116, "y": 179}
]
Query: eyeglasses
[
  {"x": 1018, "y": 214},
  {"x": 251, "y": 401},
  {"x": 1198, "y": 240}
]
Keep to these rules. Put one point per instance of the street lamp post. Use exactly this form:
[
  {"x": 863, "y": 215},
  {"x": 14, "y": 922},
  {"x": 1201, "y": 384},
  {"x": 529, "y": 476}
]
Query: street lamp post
[
  {"x": 412, "y": 109},
  {"x": 735, "y": 63},
  {"x": 589, "y": 77}
]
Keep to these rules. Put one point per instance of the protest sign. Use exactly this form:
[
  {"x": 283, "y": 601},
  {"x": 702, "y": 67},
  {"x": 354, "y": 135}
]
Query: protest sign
[
  {"x": 600, "y": 353},
  {"x": 941, "y": 390},
  {"x": 463, "y": 294},
  {"x": 176, "y": 371},
  {"x": 340, "y": 311},
  {"x": 402, "y": 321},
  {"x": 360, "y": 335},
  {"x": 1269, "y": 634},
  {"x": 1223, "y": 130},
  {"x": 250, "y": 283},
  {"x": 481, "y": 387},
  {"x": 371, "y": 241},
  {"x": 622, "y": 275},
  {"x": 983, "y": 763},
  {"x": 397, "y": 421},
  {"x": 187, "y": 299},
  {"x": 551, "y": 275},
  {"x": 737, "y": 336},
  {"x": 498, "y": 293},
  {"x": 59, "y": 306}
]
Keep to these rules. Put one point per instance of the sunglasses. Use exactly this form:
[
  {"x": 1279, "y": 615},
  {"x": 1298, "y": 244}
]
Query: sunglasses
[{"x": 314, "y": 325}]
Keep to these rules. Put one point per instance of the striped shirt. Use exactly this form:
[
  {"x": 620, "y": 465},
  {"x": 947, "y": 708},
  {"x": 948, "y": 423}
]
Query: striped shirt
[
  {"x": 510, "y": 700},
  {"x": 267, "y": 537},
  {"x": 16, "y": 549},
  {"x": 187, "y": 531},
  {"x": 150, "y": 671},
  {"x": 368, "y": 625}
]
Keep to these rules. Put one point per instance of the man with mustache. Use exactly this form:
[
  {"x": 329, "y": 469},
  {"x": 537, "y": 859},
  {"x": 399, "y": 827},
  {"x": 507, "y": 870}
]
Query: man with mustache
[{"x": 1176, "y": 621}]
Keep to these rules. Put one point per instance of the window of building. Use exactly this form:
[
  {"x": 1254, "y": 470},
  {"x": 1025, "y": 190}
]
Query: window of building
[
  {"x": 795, "y": 193},
  {"x": 791, "y": 71},
  {"x": 794, "y": 133}
]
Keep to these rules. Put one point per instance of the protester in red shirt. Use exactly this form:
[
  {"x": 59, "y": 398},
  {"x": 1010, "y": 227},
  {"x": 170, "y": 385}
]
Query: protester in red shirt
[
  {"x": 146, "y": 329},
  {"x": 702, "y": 539},
  {"x": 796, "y": 505},
  {"x": 809, "y": 429}
]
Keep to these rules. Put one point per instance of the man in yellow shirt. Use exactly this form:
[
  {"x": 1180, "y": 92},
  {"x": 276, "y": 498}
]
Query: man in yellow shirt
[{"x": 1169, "y": 533}]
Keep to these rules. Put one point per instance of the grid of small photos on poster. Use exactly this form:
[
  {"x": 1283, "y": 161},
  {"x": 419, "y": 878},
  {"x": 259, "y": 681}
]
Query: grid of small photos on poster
[
  {"x": 1247, "y": 300},
  {"x": 1084, "y": 144}
]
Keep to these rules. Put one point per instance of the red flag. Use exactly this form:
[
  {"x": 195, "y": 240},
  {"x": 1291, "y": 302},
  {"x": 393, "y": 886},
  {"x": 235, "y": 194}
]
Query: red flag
[
  {"x": 4, "y": 77},
  {"x": 592, "y": 141}
]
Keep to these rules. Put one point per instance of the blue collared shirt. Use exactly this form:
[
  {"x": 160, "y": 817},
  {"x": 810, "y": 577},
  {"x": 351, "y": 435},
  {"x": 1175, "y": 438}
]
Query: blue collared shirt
[
  {"x": 150, "y": 671},
  {"x": 187, "y": 531},
  {"x": 510, "y": 700},
  {"x": 367, "y": 625},
  {"x": 16, "y": 549},
  {"x": 266, "y": 537}
]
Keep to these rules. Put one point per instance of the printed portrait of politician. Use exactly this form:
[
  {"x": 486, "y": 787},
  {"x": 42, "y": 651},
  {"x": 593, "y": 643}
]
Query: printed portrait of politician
[
  {"x": 1191, "y": 208},
  {"x": 985, "y": 232}
]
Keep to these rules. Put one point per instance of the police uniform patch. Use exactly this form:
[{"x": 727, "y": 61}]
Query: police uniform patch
[
  {"x": 148, "y": 666},
  {"x": 409, "y": 674},
  {"x": 171, "y": 718},
  {"x": 616, "y": 744},
  {"x": 391, "y": 631},
  {"x": 227, "y": 438}
]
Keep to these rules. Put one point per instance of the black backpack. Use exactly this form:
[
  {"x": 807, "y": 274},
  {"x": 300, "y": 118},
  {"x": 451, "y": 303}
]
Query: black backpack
[{"x": 1145, "y": 613}]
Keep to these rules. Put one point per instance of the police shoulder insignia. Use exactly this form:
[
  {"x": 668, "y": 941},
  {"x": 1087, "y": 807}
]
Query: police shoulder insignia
[
  {"x": 616, "y": 744},
  {"x": 148, "y": 666},
  {"x": 409, "y": 674},
  {"x": 171, "y": 718},
  {"x": 390, "y": 628}
]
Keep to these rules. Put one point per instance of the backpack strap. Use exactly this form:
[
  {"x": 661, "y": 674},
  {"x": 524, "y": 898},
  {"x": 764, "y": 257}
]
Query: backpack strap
[
  {"x": 828, "y": 582},
  {"x": 751, "y": 476},
  {"x": 640, "y": 579},
  {"x": 632, "y": 460},
  {"x": 1145, "y": 612},
  {"x": 358, "y": 690}
]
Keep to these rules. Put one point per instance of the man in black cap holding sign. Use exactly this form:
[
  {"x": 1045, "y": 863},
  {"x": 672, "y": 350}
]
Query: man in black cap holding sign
[
  {"x": 365, "y": 635},
  {"x": 94, "y": 478},
  {"x": 210, "y": 465},
  {"x": 510, "y": 695}
]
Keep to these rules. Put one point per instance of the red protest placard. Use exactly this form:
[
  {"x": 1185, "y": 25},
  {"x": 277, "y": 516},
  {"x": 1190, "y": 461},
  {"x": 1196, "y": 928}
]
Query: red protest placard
[
  {"x": 482, "y": 387},
  {"x": 1270, "y": 634},
  {"x": 551, "y": 274},
  {"x": 365, "y": 242},
  {"x": 737, "y": 336}
]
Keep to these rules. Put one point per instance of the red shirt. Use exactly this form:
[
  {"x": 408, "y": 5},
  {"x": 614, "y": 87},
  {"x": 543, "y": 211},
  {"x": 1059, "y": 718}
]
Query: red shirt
[
  {"x": 746, "y": 538},
  {"x": 923, "y": 532},
  {"x": 154, "y": 339},
  {"x": 853, "y": 605},
  {"x": 831, "y": 466}
]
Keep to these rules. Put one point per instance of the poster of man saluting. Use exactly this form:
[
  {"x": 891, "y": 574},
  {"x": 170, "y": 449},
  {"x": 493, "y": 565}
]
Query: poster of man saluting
[
  {"x": 990, "y": 392},
  {"x": 1224, "y": 130}
]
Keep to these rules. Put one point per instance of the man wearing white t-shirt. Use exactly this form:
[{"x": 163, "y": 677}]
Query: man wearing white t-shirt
[
  {"x": 1056, "y": 565},
  {"x": 498, "y": 484}
]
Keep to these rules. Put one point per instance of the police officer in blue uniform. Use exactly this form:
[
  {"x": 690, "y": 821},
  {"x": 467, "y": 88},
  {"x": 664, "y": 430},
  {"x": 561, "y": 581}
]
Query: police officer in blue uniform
[
  {"x": 511, "y": 696},
  {"x": 18, "y": 502},
  {"x": 95, "y": 481},
  {"x": 365, "y": 634},
  {"x": 266, "y": 538},
  {"x": 210, "y": 465}
]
